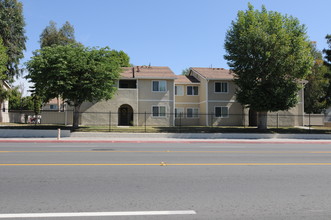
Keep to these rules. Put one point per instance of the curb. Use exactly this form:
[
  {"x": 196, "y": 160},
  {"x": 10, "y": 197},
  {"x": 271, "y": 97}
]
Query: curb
[{"x": 174, "y": 141}]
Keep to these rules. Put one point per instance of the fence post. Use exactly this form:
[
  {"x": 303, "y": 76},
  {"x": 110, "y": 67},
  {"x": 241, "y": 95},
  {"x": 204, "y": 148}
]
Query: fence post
[
  {"x": 212, "y": 119},
  {"x": 180, "y": 122},
  {"x": 66, "y": 117},
  {"x": 110, "y": 121},
  {"x": 309, "y": 123},
  {"x": 145, "y": 122},
  {"x": 277, "y": 120}
]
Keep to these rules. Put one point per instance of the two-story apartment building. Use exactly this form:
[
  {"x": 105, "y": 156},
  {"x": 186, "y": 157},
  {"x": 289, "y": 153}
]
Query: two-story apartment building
[
  {"x": 145, "y": 93},
  {"x": 155, "y": 96},
  {"x": 206, "y": 97}
]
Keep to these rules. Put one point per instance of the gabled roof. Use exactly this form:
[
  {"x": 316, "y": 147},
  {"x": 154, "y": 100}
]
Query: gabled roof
[
  {"x": 147, "y": 72},
  {"x": 181, "y": 79},
  {"x": 214, "y": 73}
]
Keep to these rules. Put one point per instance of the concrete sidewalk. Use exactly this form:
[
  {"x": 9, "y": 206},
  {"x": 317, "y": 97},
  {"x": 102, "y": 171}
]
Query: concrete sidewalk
[{"x": 106, "y": 137}]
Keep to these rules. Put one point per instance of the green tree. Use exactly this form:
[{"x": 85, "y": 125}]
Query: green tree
[
  {"x": 269, "y": 53},
  {"x": 316, "y": 89},
  {"x": 185, "y": 71},
  {"x": 52, "y": 36},
  {"x": 13, "y": 34},
  {"x": 3, "y": 62},
  {"x": 327, "y": 52},
  {"x": 327, "y": 62},
  {"x": 18, "y": 102},
  {"x": 75, "y": 73}
]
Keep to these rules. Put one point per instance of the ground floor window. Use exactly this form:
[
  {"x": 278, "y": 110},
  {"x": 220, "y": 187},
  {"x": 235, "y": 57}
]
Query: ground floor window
[
  {"x": 159, "y": 111},
  {"x": 179, "y": 112},
  {"x": 221, "y": 112},
  {"x": 192, "y": 112}
]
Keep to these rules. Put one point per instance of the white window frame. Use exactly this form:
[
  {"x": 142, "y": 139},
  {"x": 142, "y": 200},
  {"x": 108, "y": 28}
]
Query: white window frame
[
  {"x": 227, "y": 116},
  {"x": 182, "y": 112},
  {"x": 159, "y": 116},
  {"x": 227, "y": 87},
  {"x": 176, "y": 90},
  {"x": 159, "y": 81},
  {"x": 192, "y": 91},
  {"x": 194, "y": 115}
]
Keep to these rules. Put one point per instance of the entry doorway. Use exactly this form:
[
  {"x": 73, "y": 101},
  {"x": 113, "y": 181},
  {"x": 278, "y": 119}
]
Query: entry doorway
[
  {"x": 125, "y": 115},
  {"x": 252, "y": 118}
]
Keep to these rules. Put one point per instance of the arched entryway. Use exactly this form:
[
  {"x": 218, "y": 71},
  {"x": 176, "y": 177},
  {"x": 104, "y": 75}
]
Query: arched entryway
[{"x": 125, "y": 115}]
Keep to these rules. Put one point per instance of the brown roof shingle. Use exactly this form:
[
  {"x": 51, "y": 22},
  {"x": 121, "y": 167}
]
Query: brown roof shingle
[
  {"x": 148, "y": 72},
  {"x": 214, "y": 73}
]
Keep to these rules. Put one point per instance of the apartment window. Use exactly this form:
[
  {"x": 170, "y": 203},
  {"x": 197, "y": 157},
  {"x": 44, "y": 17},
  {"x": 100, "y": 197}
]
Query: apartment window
[
  {"x": 192, "y": 90},
  {"x": 221, "y": 87},
  {"x": 179, "y": 112},
  {"x": 159, "y": 111},
  {"x": 222, "y": 112},
  {"x": 179, "y": 90},
  {"x": 192, "y": 113},
  {"x": 159, "y": 86},
  {"x": 53, "y": 107}
]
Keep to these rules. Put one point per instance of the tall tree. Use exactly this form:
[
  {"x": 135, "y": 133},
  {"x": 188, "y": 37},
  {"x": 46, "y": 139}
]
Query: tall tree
[
  {"x": 315, "y": 92},
  {"x": 13, "y": 34},
  {"x": 3, "y": 62},
  {"x": 327, "y": 60},
  {"x": 75, "y": 73},
  {"x": 328, "y": 51},
  {"x": 52, "y": 36},
  {"x": 269, "y": 53}
]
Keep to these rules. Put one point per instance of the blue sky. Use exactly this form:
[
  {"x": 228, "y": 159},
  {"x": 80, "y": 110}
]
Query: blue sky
[{"x": 174, "y": 33}]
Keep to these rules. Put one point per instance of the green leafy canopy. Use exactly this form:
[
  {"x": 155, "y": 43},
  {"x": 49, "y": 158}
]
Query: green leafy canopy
[
  {"x": 75, "y": 73},
  {"x": 269, "y": 53}
]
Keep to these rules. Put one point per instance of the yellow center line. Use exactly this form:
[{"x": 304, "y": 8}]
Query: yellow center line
[
  {"x": 169, "y": 151},
  {"x": 176, "y": 164}
]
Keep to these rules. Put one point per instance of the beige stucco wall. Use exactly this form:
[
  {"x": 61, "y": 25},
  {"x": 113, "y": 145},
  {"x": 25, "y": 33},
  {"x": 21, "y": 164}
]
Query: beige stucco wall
[
  {"x": 235, "y": 111},
  {"x": 230, "y": 95},
  {"x": 146, "y": 93},
  {"x": 147, "y": 99},
  {"x": 105, "y": 112},
  {"x": 146, "y": 107},
  {"x": 186, "y": 121}
]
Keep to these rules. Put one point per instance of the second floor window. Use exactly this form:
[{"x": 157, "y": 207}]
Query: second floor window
[
  {"x": 179, "y": 90},
  {"x": 192, "y": 90},
  {"x": 159, "y": 86},
  {"x": 221, "y": 87}
]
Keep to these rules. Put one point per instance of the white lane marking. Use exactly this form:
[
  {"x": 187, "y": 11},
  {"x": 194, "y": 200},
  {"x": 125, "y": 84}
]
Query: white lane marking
[{"x": 96, "y": 214}]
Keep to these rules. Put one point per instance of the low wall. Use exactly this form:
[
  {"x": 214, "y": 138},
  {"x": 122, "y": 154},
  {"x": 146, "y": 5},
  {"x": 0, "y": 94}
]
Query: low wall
[{"x": 32, "y": 133}]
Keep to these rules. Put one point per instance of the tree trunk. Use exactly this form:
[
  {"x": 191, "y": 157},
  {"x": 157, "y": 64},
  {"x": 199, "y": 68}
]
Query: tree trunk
[
  {"x": 262, "y": 120},
  {"x": 75, "y": 122}
]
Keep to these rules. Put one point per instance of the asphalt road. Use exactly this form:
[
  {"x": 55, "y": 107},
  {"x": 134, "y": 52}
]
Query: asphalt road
[{"x": 190, "y": 181}]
